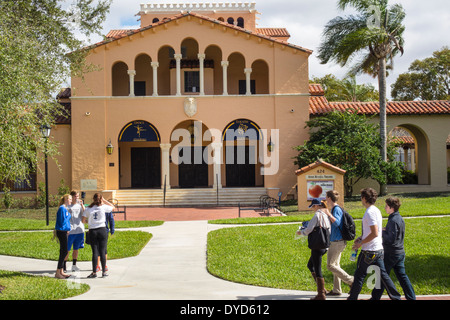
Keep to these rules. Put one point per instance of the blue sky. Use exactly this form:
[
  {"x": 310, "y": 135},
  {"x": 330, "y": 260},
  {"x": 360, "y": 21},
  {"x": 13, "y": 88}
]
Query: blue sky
[{"x": 427, "y": 27}]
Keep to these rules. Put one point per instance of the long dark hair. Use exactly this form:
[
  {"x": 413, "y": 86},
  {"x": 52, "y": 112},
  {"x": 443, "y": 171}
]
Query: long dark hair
[{"x": 97, "y": 200}]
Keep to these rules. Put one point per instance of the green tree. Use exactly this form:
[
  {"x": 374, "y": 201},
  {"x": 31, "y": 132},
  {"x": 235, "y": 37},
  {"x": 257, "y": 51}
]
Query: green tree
[
  {"x": 427, "y": 79},
  {"x": 373, "y": 37},
  {"x": 346, "y": 89},
  {"x": 38, "y": 52},
  {"x": 351, "y": 142}
]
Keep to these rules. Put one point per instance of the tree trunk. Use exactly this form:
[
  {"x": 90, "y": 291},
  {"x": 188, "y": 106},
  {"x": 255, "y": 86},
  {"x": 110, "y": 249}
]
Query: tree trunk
[{"x": 382, "y": 91}]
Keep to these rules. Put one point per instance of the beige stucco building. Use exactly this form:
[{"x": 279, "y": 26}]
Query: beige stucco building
[
  {"x": 206, "y": 105},
  {"x": 208, "y": 70}
]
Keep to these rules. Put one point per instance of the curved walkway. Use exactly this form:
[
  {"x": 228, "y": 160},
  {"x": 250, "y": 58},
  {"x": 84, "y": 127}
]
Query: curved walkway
[{"x": 172, "y": 266}]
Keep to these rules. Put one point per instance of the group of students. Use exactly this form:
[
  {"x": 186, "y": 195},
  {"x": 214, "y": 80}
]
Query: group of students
[
  {"x": 69, "y": 228},
  {"x": 381, "y": 248}
]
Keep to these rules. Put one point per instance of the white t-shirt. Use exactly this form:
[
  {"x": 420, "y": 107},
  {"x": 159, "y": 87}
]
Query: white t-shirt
[
  {"x": 372, "y": 217},
  {"x": 96, "y": 215},
  {"x": 76, "y": 226}
]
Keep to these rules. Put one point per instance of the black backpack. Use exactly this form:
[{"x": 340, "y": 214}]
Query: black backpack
[{"x": 347, "y": 227}]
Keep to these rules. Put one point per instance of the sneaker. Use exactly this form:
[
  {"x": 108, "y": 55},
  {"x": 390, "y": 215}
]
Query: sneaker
[
  {"x": 75, "y": 268},
  {"x": 98, "y": 269},
  {"x": 105, "y": 274},
  {"x": 106, "y": 268},
  {"x": 92, "y": 275}
]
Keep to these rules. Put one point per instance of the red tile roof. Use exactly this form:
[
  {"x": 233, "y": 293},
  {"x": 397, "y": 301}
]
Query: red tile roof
[
  {"x": 274, "y": 32},
  {"x": 319, "y": 162},
  {"x": 117, "y": 34},
  {"x": 319, "y": 105}
]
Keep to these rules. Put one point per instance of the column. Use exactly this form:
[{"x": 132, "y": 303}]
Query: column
[
  {"x": 155, "y": 66},
  {"x": 201, "y": 60},
  {"x": 247, "y": 72},
  {"x": 131, "y": 73},
  {"x": 225, "y": 77},
  {"x": 165, "y": 164},
  {"x": 178, "y": 57},
  {"x": 217, "y": 161}
]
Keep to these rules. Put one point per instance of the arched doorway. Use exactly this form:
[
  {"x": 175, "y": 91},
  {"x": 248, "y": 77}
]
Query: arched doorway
[
  {"x": 241, "y": 149},
  {"x": 188, "y": 162},
  {"x": 139, "y": 156},
  {"x": 417, "y": 158}
]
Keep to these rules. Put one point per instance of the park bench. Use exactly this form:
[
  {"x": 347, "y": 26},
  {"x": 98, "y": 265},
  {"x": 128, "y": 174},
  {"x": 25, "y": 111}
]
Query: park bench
[
  {"x": 119, "y": 209},
  {"x": 266, "y": 203}
]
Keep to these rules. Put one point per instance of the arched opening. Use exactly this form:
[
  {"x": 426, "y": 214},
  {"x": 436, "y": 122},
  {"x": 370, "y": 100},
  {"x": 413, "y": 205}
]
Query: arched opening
[
  {"x": 221, "y": 19},
  {"x": 414, "y": 152},
  {"x": 139, "y": 156},
  {"x": 240, "y": 22},
  {"x": 155, "y": 20},
  {"x": 230, "y": 20},
  {"x": 214, "y": 54},
  {"x": 143, "y": 80},
  {"x": 165, "y": 56},
  {"x": 189, "y": 162},
  {"x": 241, "y": 145},
  {"x": 236, "y": 76},
  {"x": 260, "y": 77},
  {"x": 120, "y": 79}
]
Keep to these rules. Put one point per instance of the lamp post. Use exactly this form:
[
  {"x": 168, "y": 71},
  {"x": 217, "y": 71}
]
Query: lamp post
[{"x": 45, "y": 130}]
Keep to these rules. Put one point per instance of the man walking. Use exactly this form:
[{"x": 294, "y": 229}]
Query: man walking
[
  {"x": 394, "y": 252},
  {"x": 337, "y": 244},
  {"x": 371, "y": 248}
]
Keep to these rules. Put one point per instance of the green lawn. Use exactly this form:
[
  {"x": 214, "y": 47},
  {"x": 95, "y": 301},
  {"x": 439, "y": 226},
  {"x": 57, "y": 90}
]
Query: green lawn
[
  {"x": 425, "y": 204},
  {"x": 20, "y": 286},
  {"x": 39, "y": 245},
  {"x": 269, "y": 256}
]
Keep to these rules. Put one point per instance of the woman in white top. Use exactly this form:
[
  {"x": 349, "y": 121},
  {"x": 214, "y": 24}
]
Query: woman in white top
[
  {"x": 315, "y": 261},
  {"x": 95, "y": 216}
]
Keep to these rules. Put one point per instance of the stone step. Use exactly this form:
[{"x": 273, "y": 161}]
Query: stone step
[{"x": 190, "y": 197}]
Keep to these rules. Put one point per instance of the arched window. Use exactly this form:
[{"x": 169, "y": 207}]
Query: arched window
[
  {"x": 155, "y": 20},
  {"x": 240, "y": 22},
  {"x": 221, "y": 19},
  {"x": 230, "y": 20}
]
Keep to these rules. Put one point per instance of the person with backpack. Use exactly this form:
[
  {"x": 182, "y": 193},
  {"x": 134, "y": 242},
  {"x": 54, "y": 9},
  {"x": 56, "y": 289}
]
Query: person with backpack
[
  {"x": 337, "y": 244},
  {"x": 319, "y": 220}
]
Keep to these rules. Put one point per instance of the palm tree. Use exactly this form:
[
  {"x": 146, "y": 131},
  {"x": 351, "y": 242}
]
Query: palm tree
[{"x": 372, "y": 37}]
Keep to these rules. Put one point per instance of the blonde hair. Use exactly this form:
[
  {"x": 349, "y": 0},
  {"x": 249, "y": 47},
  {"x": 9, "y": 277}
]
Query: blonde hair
[{"x": 63, "y": 199}]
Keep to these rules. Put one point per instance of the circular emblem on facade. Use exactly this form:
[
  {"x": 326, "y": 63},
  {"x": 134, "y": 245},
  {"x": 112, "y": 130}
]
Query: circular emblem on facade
[{"x": 190, "y": 106}]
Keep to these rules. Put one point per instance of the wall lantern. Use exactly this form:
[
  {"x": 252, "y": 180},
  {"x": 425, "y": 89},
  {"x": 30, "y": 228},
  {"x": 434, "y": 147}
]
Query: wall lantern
[
  {"x": 270, "y": 145},
  {"x": 109, "y": 148}
]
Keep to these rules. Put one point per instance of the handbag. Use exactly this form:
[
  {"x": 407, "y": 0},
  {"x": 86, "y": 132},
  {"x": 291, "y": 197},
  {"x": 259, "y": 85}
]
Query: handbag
[
  {"x": 319, "y": 238},
  {"x": 87, "y": 239}
]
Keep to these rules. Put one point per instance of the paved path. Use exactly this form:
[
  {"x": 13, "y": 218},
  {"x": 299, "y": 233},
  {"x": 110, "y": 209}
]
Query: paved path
[{"x": 172, "y": 266}]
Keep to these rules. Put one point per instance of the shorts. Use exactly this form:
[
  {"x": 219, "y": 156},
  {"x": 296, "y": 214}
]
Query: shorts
[{"x": 77, "y": 240}]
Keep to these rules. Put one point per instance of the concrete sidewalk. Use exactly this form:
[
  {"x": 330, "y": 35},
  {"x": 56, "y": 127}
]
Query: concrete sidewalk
[{"x": 172, "y": 266}]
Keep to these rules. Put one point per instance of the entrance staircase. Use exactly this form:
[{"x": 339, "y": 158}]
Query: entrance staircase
[{"x": 189, "y": 197}]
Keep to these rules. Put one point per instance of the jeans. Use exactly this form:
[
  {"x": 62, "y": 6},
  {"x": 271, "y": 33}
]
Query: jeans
[
  {"x": 315, "y": 262},
  {"x": 99, "y": 240},
  {"x": 396, "y": 262},
  {"x": 365, "y": 260}
]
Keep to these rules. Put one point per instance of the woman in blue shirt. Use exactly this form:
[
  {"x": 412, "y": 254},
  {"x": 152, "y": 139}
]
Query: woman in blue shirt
[{"x": 62, "y": 228}]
